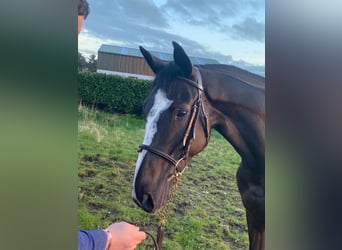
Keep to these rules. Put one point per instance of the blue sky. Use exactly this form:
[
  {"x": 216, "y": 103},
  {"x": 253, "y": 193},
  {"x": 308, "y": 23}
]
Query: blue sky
[{"x": 230, "y": 31}]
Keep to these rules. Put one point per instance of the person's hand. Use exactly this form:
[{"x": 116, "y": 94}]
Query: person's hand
[{"x": 125, "y": 236}]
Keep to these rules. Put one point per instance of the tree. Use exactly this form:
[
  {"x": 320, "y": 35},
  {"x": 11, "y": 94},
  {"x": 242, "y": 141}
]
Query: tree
[
  {"x": 82, "y": 63},
  {"x": 92, "y": 63}
]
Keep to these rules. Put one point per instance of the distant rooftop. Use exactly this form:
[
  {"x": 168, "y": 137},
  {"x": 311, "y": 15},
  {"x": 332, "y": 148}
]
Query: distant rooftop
[{"x": 112, "y": 49}]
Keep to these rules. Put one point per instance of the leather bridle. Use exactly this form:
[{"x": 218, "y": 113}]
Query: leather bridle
[{"x": 190, "y": 130}]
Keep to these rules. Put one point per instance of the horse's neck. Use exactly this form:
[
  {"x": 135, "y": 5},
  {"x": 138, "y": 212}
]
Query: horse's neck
[
  {"x": 237, "y": 111},
  {"x": 245, "y": 134}
]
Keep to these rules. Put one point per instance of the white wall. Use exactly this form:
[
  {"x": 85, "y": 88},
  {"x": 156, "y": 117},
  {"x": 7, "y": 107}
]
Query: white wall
[{"x": 125, "y": 74}]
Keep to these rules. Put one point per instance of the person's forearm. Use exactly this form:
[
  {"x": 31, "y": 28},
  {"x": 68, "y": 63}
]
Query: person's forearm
[{"x": 92, "y": 240}]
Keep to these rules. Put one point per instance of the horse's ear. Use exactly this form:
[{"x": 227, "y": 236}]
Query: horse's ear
[
  {"x": 154, "y": 62},
  {"x": 181, "y": 59}
]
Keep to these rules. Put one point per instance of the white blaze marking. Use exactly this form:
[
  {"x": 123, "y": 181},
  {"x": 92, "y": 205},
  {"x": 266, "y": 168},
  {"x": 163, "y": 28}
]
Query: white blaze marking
[{"x": 161, "y": 103}]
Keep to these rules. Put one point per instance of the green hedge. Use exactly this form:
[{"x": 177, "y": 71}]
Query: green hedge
[{"x": 113, "y": 93}]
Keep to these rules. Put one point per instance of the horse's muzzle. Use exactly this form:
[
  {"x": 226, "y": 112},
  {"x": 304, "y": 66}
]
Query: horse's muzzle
[{"x": 147, "y": 203}]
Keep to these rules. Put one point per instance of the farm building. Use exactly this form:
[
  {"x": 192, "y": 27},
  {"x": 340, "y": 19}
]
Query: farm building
[{"x": 129, "y": 62}]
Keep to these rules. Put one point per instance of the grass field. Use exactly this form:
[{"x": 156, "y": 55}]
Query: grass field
[{"x": 206, "y": 212}]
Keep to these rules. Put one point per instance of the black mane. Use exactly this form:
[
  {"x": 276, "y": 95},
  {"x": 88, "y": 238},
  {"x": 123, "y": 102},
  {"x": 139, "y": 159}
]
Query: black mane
[{"x": 238, "y": 73}]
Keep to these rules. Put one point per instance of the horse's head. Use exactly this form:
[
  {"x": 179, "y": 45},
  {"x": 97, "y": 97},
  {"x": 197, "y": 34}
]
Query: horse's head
[{"x": 176, "y": 128}]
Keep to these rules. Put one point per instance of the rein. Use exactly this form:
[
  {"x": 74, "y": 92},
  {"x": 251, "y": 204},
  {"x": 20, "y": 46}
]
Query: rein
[
  {"x": 190, "y": 130},
  {"x": 156, "y": 246}
]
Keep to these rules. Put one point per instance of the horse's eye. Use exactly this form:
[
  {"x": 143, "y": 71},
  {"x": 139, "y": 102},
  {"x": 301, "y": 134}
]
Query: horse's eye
[{"x": 181, "y": 113}]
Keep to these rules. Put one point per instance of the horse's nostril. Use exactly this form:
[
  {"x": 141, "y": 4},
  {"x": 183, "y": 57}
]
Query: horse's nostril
[{"x": 147, "y": 203}]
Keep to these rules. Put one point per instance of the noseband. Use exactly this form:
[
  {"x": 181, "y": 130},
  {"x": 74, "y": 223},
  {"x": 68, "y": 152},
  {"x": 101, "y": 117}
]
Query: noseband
[{"x": 190, "y": 130}]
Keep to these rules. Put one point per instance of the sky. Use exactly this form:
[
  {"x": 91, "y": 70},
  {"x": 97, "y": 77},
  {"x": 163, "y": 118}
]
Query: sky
[{"x": 230, "y": 31}]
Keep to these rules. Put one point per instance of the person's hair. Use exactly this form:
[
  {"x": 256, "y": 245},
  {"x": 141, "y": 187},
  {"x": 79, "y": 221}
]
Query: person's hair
[{"x": 83, "y": 8}]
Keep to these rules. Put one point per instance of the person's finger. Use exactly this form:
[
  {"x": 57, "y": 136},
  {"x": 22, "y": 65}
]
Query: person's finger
[{"x": 141, "y": 235}]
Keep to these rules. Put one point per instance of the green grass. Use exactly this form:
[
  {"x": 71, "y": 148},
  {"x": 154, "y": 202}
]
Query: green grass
[{"x": 206, "y": 212}]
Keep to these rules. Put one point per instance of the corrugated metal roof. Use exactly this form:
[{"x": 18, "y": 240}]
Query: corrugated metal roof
[{"x": 112, "y": 49}]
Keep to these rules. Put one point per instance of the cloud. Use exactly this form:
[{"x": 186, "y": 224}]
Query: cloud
[
  {"x": 106, "y": 15},
  {"x": 142, "y": 12},
  {"x": 250, "y": 29},
  {"x": 89, "y": 44},
  {"x": 201, "y": 12},
  {"x": 132, "y": 23},
  {"x": 211, "y": 13},
  {"x": 150, "y": 37},
  {"x": 203, "y": 8}
]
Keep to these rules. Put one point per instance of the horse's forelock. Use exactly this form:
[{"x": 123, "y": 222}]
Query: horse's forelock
[{"x": 167, "y": 76}]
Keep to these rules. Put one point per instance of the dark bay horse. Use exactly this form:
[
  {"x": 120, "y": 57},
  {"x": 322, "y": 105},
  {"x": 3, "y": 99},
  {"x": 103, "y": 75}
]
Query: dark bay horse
[{"x": 186, "y": 102}]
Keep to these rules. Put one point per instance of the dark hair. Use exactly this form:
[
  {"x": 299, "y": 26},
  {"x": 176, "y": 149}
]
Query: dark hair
[{"x": 83, "y": 8}]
